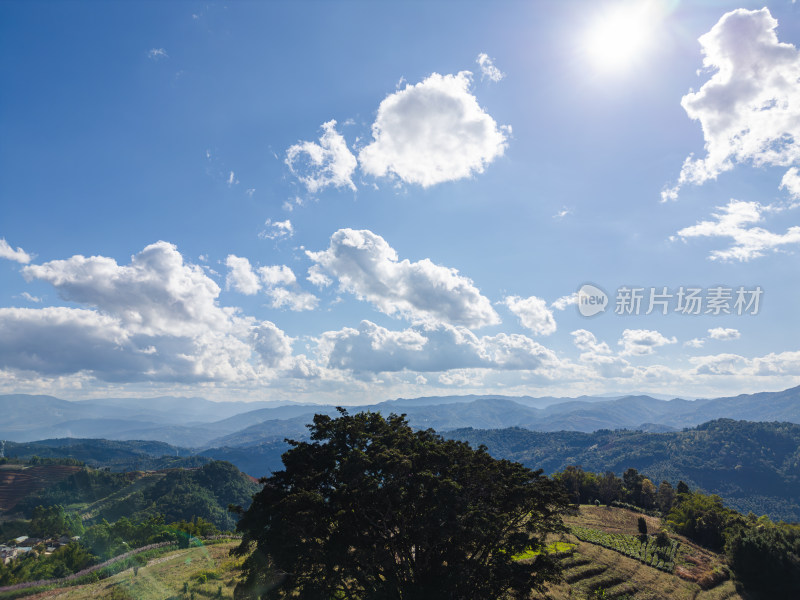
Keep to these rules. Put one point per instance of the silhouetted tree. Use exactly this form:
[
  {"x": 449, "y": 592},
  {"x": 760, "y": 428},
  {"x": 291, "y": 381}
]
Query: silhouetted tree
[{"x": 372, "y": 509}]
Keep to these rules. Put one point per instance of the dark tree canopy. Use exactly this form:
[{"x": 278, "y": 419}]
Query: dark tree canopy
[{"x": 372, "y": 509}]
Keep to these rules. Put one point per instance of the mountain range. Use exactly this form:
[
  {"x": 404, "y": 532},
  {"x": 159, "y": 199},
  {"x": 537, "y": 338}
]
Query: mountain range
[{"x": 201, "y": 424}]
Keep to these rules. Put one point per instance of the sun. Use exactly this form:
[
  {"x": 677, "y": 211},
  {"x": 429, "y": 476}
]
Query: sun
[{"x": 618, "y": 37}]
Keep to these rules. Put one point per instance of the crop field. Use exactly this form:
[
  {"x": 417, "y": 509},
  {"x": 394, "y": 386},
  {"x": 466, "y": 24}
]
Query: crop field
[
  {"x": 632, "y": 547},
  {"x": 204, "y": 572}
]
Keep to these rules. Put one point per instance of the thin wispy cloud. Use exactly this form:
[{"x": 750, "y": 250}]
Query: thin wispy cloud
[
  {"x": 157, "y": 54},
  {"x": 17, "y": 255},
  {"x": 736, "y": 221},
  {"x": 488, "y": 69},
  {"x": 276, "y": 230}
]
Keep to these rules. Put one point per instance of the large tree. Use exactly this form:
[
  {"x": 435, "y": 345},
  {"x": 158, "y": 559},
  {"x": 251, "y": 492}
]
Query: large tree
[{"x": 372, "y": 509}]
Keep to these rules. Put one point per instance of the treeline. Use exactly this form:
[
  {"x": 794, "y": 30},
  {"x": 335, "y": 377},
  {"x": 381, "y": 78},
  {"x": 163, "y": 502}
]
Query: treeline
[
  {"x": 753, "y": 466},
  {"x": 764, "y": 555},
  {"x": 180, "y": 494},
  {"x": 113, "y": 454},
  {"x": 96, "y": 543},
  {"x": 38, "y": 461}
]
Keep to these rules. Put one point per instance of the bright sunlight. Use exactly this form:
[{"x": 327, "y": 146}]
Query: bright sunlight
[{"x": 618, "y": 36}]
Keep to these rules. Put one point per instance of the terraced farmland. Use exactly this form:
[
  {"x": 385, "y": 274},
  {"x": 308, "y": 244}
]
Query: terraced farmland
[
  {"x": 17, "y": 481},
  {"x": 631, "y": 546},
  {"x": 596, "y": 571}
]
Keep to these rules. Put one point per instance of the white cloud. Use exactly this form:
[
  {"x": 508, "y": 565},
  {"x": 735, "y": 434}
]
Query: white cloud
[
  {"x": 157, "y": 54},
  {"x": 365, "y": 265},
  {"x": 19, "y": 255},
  {"x": 231, "y": 181},
  {"x": 750, "y": 107},
  {"x": 275, "y": 279},
  {"x": 429, "y": 348},
  {"x": 157, "y": 293},
  {"x": 289, "y": 205},
  {"x": 791, "y": 183},
  {"x": 562, "y": 213},
  {"x": 533, "y": 314},
  {"x": 564, "y": 301},
  {"x": 488, "y": 69},
  {"x": 277, "y": 230},
  {"x": 695, "y": 343},
  {"x": 721, "y": 333},
  {"x": 59, "y": 340},
  {"x": 432, "y": 132},
  {"x": 733, "y": 222},
  {"x": 241, "y": 276},
  {"x": 295, "y": 301},
  {"x": 30, "y": 298},
  {"x": 154, "y": 319},
  {"x": 719, "y": 364},
  {"x": 642, "y": 341},
  {"x": 320, "y": 165},
  {"x": 277, "y": 275},
  {"x": 599, "y": 356},
  {"x": 317, "y": 277},
  {"x": 587, "y": 342}
]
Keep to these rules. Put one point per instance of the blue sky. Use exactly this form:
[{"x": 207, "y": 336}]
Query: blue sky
[{"x": 354, "y": 201}]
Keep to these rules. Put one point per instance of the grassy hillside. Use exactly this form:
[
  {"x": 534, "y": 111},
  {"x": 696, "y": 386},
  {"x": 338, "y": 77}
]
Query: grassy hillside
[
  {"x": 590, "y": 571},
  {"x": 207, "y": 572},
  {"x": 593, "y": 571}
]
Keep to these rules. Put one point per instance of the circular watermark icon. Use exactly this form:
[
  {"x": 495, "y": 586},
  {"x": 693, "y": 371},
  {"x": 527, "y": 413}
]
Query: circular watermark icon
[{"x": 591, "y": 300}]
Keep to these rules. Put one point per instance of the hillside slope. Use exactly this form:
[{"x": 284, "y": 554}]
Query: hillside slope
[
  {"x": 177, "y": 494},
  {"x": 753, "y": 466}
]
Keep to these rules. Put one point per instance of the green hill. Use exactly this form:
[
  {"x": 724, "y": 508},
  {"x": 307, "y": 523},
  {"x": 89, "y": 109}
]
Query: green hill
[
  {"x": 178, "y": 494},
  {"x": 752, "y": 466}
]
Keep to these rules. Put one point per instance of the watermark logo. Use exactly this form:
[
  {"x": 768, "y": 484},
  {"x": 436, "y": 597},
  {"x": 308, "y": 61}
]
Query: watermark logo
[
  {"x": 685, "y": 300},
  {"x": 591, "y": 300}
]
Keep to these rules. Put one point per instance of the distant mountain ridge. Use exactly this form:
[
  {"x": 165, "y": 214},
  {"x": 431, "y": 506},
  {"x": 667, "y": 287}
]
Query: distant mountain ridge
[
  {"x": 200, "y": 423},
  {"x": 753, "y": 466}
]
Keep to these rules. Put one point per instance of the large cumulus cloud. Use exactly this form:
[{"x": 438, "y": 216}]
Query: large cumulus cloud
[{"x": 367, "y": 266}]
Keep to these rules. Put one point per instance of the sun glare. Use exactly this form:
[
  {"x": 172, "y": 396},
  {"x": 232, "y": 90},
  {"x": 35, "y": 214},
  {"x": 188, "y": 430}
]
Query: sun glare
[{"x": 618, "y": 37}]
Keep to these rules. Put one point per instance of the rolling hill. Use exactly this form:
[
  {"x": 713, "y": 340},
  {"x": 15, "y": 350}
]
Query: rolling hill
[{"x": 752, "y": 466}]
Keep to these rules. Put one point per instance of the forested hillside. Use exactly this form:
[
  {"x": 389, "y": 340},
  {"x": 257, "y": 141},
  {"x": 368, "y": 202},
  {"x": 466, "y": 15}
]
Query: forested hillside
[
  {"x": 752, "y": 466},
  {"x": 177, "y": 494}
]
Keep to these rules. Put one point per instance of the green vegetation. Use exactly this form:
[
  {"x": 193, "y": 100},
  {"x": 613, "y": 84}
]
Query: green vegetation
[
  {"x": 41, "y": 461},
  {"x": 179, "y": 494},
  {"x": 370, "y": 505},
  {"x": 764, "y": 556},
  {"x": 647, "y": 551},
  {"x": 372, "y": 509},
  {"x": 98, "y": 453},
  {"x": 752, "y": 466},
  {"x": 100, "y": 543},
  {"x": 168, "y": 573}
]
